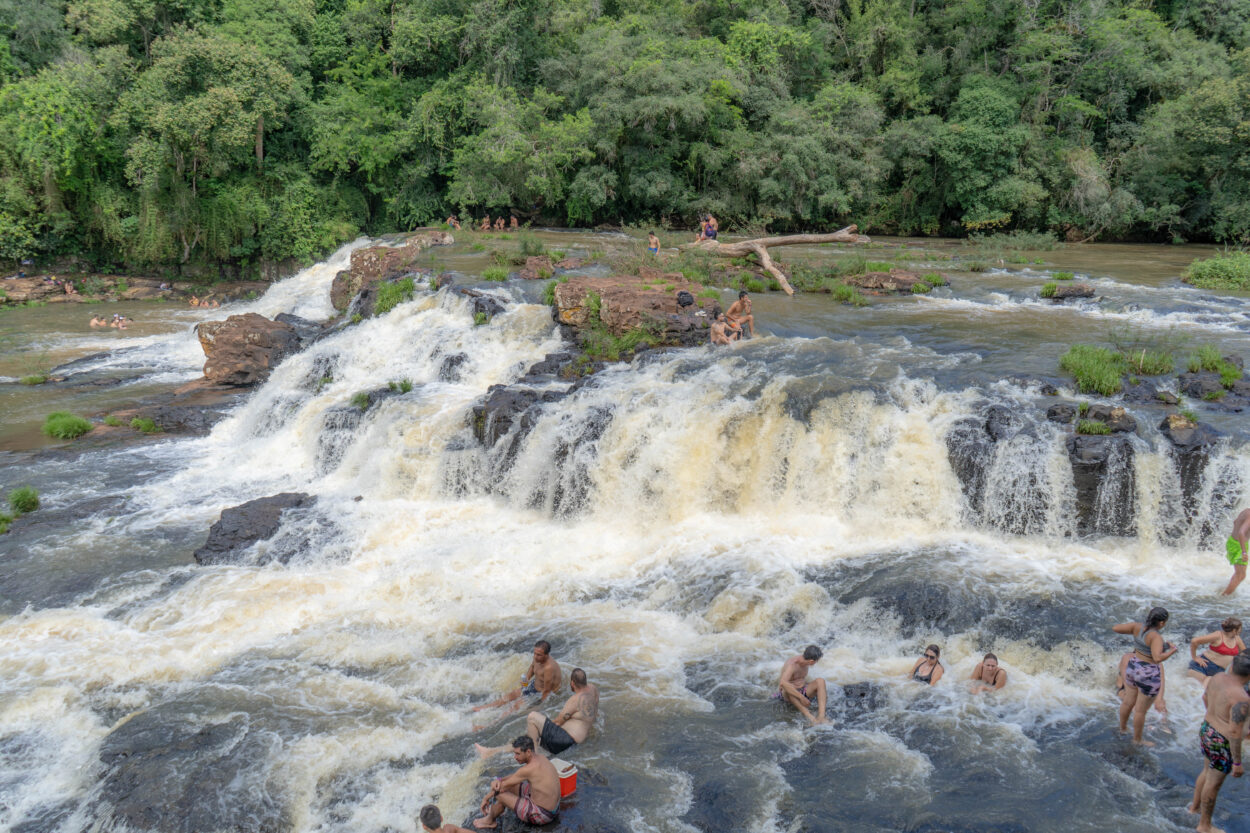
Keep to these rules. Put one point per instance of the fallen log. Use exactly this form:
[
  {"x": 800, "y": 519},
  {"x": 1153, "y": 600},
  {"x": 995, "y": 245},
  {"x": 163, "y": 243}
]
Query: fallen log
[{"x": 760, "y": 246}]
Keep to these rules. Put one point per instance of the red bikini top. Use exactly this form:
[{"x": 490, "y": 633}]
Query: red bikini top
[{"x": 1226, "y": 650}]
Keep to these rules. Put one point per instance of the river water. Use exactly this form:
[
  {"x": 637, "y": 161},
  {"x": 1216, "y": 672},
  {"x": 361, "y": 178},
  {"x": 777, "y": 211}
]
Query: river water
[{"x": 677, "y": 527}]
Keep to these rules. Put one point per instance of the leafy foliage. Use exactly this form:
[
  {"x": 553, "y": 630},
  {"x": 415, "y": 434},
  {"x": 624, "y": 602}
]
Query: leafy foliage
[
  {"x": 24, "y": 499},
  {"x": 1230, "y": 271},
  {"x": 1097, "y": 369},
  {"x": 146, "y": 425},
  {"x": 391, "y": 295},
  {"x": 62, "y": 425}
]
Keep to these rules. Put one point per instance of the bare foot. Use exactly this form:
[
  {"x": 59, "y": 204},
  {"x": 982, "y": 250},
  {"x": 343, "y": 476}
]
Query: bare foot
[
  {"x": 482, "y": 824},
  {"x": 1210, "y": 828},
  {"x": 483, "y": 752},
  {"x": 1192, "y": 808},
  {"x": 1144, "y": 743}
]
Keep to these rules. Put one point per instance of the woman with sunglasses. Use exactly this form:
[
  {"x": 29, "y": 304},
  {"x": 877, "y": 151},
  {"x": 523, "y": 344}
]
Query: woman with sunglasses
[
  {"x": 927, "y": 669},
  {"x": 1143, "y": 674}
]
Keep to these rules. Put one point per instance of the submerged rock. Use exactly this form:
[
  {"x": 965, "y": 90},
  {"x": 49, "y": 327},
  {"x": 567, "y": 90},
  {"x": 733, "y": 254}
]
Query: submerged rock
[
  {"x": 244, "y": 349},
  {"x": 881, "y": 283},
  {"x": 1064, "y": 291},
  {"x": 241, "y": 526}
]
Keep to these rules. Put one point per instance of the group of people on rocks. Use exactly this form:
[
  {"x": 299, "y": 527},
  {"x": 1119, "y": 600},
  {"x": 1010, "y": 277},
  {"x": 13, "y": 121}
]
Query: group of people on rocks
[
  {"x": 485, "y": 224},
  {"x": 730, "y": 324}
]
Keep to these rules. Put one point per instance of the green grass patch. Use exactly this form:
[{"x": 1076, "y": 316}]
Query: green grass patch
[
  {"x": 1190, "y": 415},
  {"x": 497, "y": 274},
  {"x": 844, "y": 294},
  {"x": 1207, "y": 357},
  {"x": 391, "y": 295},
  {"x": 754, "y": 285},
  {"x": 877, "y": 266},
  {"x": 977, "y": 266},
  {"x": 480, "y": 318},
  {"x": 5, "y": 520},
  {"x": 544, "y": 273},
  {"x": 1062, "y": 276},
  {"x": 531, "y": 246},
  {"x": 1096, "y": 369},
  {"x": 112, "y": 421},
  {"x": 145, "y": 425},
  {"x": 24, "y": 499},
  {"x": 1228, "y": 271},
  {"x": 557, "y": 255},
  {"x": 478, "y": 247},
  {"x": 1150, "y": 362},
  {"x": 1082, "y": 409},
  {"x": 1092, "y": 426},
  {"x": 62, "y": 425},
  {"x": 933, "y": 279},
  {"x": 708, "y": 292},
  {"x": 1214, "y": 395},
  {"x": 33, "y": 379},
  {"x": 549, "y": 291},
  {"x": 1049, "y": 289},
  {"x": 920, "y": 288},
  {"x": 1018, "y": 260},
  {"x": 361, "y": 400},
  {"x": 402, "y": 386}
]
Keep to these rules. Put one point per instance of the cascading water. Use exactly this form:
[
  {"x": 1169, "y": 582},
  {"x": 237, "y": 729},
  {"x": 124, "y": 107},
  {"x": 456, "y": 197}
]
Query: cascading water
[{"x": 676, "y": 527}]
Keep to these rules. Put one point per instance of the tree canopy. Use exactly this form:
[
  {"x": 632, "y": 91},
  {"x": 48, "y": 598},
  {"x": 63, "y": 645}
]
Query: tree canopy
[{"x": 154, "y": 132}]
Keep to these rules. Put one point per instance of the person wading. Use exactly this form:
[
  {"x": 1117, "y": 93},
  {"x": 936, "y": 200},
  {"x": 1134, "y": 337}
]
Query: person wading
[{"x": 1144, "y": 673}]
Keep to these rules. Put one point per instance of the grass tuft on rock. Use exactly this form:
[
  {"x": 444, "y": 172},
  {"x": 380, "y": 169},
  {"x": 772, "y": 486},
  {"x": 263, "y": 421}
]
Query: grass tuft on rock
[
  {"x": 920, "y": 288},
  {"x": 1092, "y": 426},
  {"x": 1227, "y": 271},
  {"x": 1096, "y": 369},
  {"x": 844, "y": 294},
  {"x": 391, "y": 295},
  {"x": 1049, "y": 289},
  {"x": 1063, "y": 276},
  {"x": 495, "y": 274},
  {"x": 112, "y": 421},
  {"x": 480, "y": 319},
  {"x": 1208, "y": 358},
  {"x": 402, "y": 386},
  {"x": 360, "y": 400},
  {"x": 62, "y": 425},
  {"x": 33, "y": 379},
  {"x": 24, "y": 499},
  {"x": 146, "y": 425},
  {"x": 1150, "y": 362}
]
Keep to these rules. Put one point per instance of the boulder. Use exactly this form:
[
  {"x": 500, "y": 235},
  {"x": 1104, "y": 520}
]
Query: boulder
[
  {"x": 883, "y": 283},
  {"x": 1064, "y": 291},
  {"x": 629, "y": 302},
  {"x": 449, "y": 368},
  {"x": 308, "y": 331},
  {"x": 241, "y": 526},
  {"x": 1192, "y": 445},
  {"x": 243, "y": 349},
  {"x": 1001, "y": 422},
  {"x": 1062, "y": 412},
  {"x": 1201, "y": 385},
  {"x": 1102, "y": 472},
  {"x": 342, "y": 290},
  {"x": 487, "y": 305},
  {"x": 504, "y": 407},
  {"x": 537, "y": 267},
  {"x": 1114, "y": 417},
  {"x": 21, "y": 290},
  {"x": 373, "y": 263}
]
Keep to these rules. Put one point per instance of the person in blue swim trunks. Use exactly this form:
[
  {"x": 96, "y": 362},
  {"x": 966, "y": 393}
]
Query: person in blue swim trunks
[
  {"x": 542, "y": 679},
  {"x": 794, "y": 688},
  {"x": 1235, "y": 548}
]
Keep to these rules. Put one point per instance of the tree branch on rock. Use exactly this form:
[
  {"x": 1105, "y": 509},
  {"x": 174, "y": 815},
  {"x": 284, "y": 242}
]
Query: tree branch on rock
[{"x": 760, "y": 246}]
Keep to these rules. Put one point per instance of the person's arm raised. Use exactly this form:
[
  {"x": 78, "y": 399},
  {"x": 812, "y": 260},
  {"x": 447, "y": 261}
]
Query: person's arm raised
[{"x": 1198, "y": 641}]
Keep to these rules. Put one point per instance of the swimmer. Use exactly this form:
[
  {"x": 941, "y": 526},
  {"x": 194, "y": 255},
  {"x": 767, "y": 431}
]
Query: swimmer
[
  {"x": 532, "y": 792},
  {"x": 121, "y": 323},
  {"x": 432, "y": 821},
  {"x": 1143, "y": 674},
  {"x": 569, "y": 728},
  {"x": 1225, "y": 643},
  {"x": 929, "y": 661},
  {"x": 1220, "y": 737},
  {"x": 1235, "y": 549},
  {"x": 97, "y": 321},
  {"x": 542, "y": 678},
  {"x": 195, "y": 302},
  {"x": 794, "y": 687},
  {"x": 988, "y": 676},
  {"x": 740, "y": 312}
]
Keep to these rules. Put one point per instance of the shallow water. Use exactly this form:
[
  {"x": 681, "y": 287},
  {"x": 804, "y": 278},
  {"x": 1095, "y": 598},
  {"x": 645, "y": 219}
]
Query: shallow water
[{"x": 677, "y": 528}]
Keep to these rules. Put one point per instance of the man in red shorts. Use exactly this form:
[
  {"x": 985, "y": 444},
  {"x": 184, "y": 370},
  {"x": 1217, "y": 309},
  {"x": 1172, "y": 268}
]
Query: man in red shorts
[{"x": 532, "y": 792}]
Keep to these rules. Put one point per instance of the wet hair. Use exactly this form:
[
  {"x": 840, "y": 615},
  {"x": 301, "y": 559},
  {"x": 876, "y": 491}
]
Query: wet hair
[
  {"x": 937, "y": 652},
  {"x": 578, "y": 677},
  {"x": 544, "y": 644},
  {"x": 652, "y": 233},
  {"x": 812, "y": 653},
  {"x": 742, "y": 293},
  {"x": 1156, "y": 617},
  {"x": 1231, "y": 625},
  {"x": 990, "y": 656},
  {"x": 431, "y": 818},
  {"x": 1241, "y": 664},
  {"x": 523, "y": 744}
]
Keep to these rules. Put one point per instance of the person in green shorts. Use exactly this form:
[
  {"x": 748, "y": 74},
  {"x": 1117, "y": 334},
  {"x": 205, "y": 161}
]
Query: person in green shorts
[{"x": 1236, "y": 549}]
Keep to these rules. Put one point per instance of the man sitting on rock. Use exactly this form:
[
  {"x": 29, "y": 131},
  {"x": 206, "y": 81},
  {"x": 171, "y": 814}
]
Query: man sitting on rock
[
  {"x": 532, "y": 792},
  {"x": 569, "y": 728},
  {"x": 542, "y": 678},
  {"x": 740, "y": 312},
  {"x": 722, "y": 333},
  {"x": 794, "y": 687}
]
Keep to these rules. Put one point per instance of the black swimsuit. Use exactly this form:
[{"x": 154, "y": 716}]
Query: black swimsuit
[{"x": 928, "y": 678}]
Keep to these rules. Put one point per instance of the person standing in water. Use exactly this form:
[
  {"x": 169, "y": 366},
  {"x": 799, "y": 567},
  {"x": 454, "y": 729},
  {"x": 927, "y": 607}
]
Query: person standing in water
[
  {"x": 532, "y": 792},
  {"x": 1220, "y": 737},
  {"x": 794, "y": 687},
  {"x": 928, "y": 669},
  {"x": 571, "y": 727},
  {"x": 1225, "y": 644},
  {"x": 542, "y": 678},
  {"x": 1143, "y": 676},
  {"x": 1236, "y": 550},
  {"x": 988, "y": 676},
  {"x": 653, "y": 243}
]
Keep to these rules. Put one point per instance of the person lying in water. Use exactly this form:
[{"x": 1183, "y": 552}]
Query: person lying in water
[
  {"x": 570, "y": 727},
  {"x": 928, "y": 669},
  {"x": 532, "y": 792},
  {"x": 1235, "y": 548},
  {"x": 542, "y": 679},
  {"x": 794, "y": 688},
  {"x": 1225, "y": 644},
  {"x": 988, "y": 675}
]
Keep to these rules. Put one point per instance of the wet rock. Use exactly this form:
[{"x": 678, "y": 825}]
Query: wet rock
[
  {"x": 1063, "y": 413},
  {"x": 1114, "y": 417},
  {"x": 1001, "y": 422},
  {"x": 218, "y": 784},
  {"x": 1201, "y": 385},
  {"x": 538, "y": 267},
  {"x": 550, "y": 364},
  {"x": 241, "y": 526},
  {"x": 308, "y": 331},
  {"x": 375, "y": 263},
  {"x": 1167, "y": 398},
  {"x": 969, "y": 448},
  {"x": 882, "y": 283},
  {"x": 443, "y": 279},
  {"x": 60, "y": 517},
  {"x": 449, "y": 369},
  {"x": 244, "y": 349},
  {"x": 1102, "y": 472},
  {"x": 1065, "y": 291},
  {"x": 483, "y": 304},
  {"x": 342, "y": 289},
  {"x": 628, "y": 303},
  {"x": 859, "y": 699},
  {"x": 1143, "y": 393},
  {"x": 505, "y": 407},
  {"x": 1192, "y": 446}
]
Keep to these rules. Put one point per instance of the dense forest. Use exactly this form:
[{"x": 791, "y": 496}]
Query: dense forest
[{"x": 151, "y": 132}]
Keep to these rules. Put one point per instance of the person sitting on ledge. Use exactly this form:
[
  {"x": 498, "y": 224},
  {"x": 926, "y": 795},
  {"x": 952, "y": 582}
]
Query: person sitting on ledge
[
  {"x": 794, "y": 687},
  {"x": 532, "y": 792},
  {"x": 542, "y": 678},
  {"x": 571, "y": 727},
  {"x": 723, "y": 332},
  {"x": 739, "y": 313}
]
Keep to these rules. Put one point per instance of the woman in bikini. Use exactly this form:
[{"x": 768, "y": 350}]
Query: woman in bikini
[
  {"x": 928, "y": 669},
  {"x": 1225, "y": 644},
  {"x": 1143, "y": 675}
]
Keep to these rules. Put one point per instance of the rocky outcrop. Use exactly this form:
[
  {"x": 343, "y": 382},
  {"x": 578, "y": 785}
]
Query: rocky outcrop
[
  {"x": 242, "y": 526},
  {"x": 506, "y": 406},
  {"x": 1192, "y": 445},
  {"x": 884, "y": 283},
  {"x": 243, "y": 349},
  {"x": 1106, "y": 495},
  {"x": 1063, "y": 413},
  {"x": 1114, "y": 417},
  {"x": 537, "y": 267},
  {"x": 627, "y": 303},
  {"x": 375, "y": 263},
  {"x": 1064, "y": 291}
]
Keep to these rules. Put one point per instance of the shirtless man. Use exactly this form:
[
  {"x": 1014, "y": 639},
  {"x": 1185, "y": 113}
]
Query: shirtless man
[
  {"x": 721, "y": 333},
  {"x": 988, "y": 676},
  {"x": 499, "y": 224},
  {"x": 1236, "y": 550},
  {"x": 532, "y": 792},
  {"x": 485, "y": 223},
  {"x": 741, "y": 311},
  {"x": 432, "y": 822},
  {"x": 97, "y": 321},
  {"x": 514, "y": 222},
  {"x": 571, "y": 726},
  {"x": 1220, "y": 736},
  {"x": 794, "y": 688},
  {"x": 542, "y": 678},
  {"x": 653, "y": 243}
]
